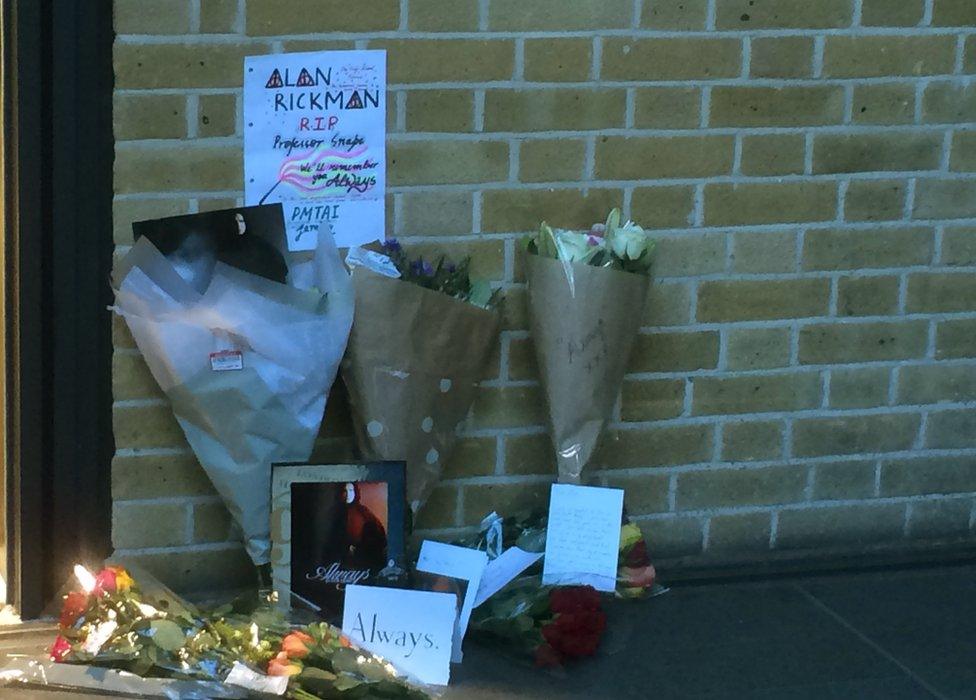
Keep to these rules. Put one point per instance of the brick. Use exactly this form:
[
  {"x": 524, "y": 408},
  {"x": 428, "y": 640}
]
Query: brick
[
  {"x": 440, "y": 110},
  {"x": 955, "y": 339},
  {"x": 760, "y": 300},
  {"x": 668, "y": 304},
  {"x": 854, "y": 153},
  {"x": 755, "y": 394},
  {"x": 504, "y": 211},
  {"x": 482, "y": 499},
  {"x": 852, "y": 249},
  {"x": 141, "y": 525},
  {"x": 159, "y": 17},
  {"x": 218, "y": 16},
  {"x": 654, "y": 447},
  {"x": 963, "y": 157},
  {"x": 121, "y": 337},
  {"x": 862, "y": 387},
  {"x": 125, "y": 211},
  {"x": 146, "y": 426},
  {"x": 915, "y": 477},
  {"x": 507, "y": 407},
  {"x": 872, "y": 56},
  {"x": 727, "y": 488},
  {"x": 675, "y": 352},
  {"x": 840, "y": 526},
  {"x": 554, "y": 60},
  {"x": 941, "y": 292},
  {"x": 740, "y": 532},
  {"x": 969, "y": 55},
  {"x": 637, "y": 158},
  {"x": 149, "y": 117},
  {"x": 959, "y": 246},
  {"x": 788, "y": 14},
  {"x": 843, "y": 480},
  {"x": 131, "y": 378},
  {"x": 471, "y": 457},
  {"x": 936, "y": 383},
  {"x": 655, "y": 399},
  {"x": 945, "y": 199},
  {"x": 884, "y": 13},
  {"x": 554, "y": 110},
  {"x": 440, "y": 510},
  {"x": 182, "y": 65},
  {"x": 647, "y": 493},
  {"x": 776, "y": 106},
  {"x": 521, "y": 359},
  {"x": 781, "y": 57},
  {"x": 310, "y": 45},
  {"x": 951, "y": 429},
  {"x": 674, "y": 14},
  {"x": 276, "y": 17},
  {"x": 667, "y": 108},
  {"x": 443, "y": 16},
  {"x": 820, "y": 437},
  {"x": 763, "y": 251},
  {"x": 884, "y": 103},
  {"x": 953, "y": 13},
  {"x": 212, "y": 523},
  {"x": 686, "y": 255},
  {"x": 205, "y": 203},
  {"x": 155, "y": 476},
  {"x": 769, "y": 203},
  {"x": 948, "y": 102},
  {"x": 139, "y": 169},
  {"x": 867, "y": 296},
  {"x": 626, "y": 58},
  {"x": 773, "y": 154},
  {"x": 752, "y": 441},
  {"x": 663, "y": 207},
  {"x": 758, "y": 348},
  {"x": 672, "y": 537},
  {"x": 939, "y": 518},
  {"x": 446, "y": 162},
  {"x": 841, "y": 343},
  {"x": 194, "y": 571},
  {"x": 440, "y": 60},
  {"x": 436, "y": 213},
  {"x": 529, "y": 454},
  {"x": 217, "y": 115},
  {"x": 555, "y": 15},
  {"x": 875, "y": 200}
]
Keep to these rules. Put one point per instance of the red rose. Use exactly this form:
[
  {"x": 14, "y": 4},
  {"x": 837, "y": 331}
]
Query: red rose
[
  {"x": 295, "y": 645},
  {"x": 105, "y": 582},
  {"x": 575, "y": 634},
  {"x": 573, "y": 598},
  {"x": 75, "y": 603},
  {"x": 60, "y": 649},
  {"x": 637, "y": 557},
  {"x": 546, "y": 656}
]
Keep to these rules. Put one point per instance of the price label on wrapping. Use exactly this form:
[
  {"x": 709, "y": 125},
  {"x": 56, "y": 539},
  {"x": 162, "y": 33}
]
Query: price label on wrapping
[{"x": 226, "y": 360}]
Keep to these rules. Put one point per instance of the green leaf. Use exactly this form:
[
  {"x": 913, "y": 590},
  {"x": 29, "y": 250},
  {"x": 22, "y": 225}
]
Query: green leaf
[
  {"x": 167, "y": 635},
  {"x": 480, "y": 294}
]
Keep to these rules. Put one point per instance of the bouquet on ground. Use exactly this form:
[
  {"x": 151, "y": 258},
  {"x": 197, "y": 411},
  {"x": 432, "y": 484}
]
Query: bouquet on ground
[
  {"x": 586, "y": 294},
  {"x": 421, "y": 339},
  {"x": 109, "y": 622}
]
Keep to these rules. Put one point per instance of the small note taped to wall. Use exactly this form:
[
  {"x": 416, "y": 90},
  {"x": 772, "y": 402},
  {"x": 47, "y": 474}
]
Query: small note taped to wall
[{"x": 583, "y": 536}]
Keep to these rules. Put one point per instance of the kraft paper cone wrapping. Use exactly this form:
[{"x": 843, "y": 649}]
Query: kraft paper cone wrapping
[
  {"x": 584, "y": 321},
  {"x": 414, "y": 360}
]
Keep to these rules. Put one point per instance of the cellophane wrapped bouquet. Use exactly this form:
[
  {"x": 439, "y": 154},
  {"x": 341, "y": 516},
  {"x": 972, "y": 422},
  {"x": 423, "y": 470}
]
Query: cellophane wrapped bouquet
[{"x": 586, "y": 295}]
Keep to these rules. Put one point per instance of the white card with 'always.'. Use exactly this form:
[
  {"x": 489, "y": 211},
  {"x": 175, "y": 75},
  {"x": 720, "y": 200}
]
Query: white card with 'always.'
[
  {"x": 459, "y": 563},
  {"x": 502, "y": 569},
  {"x": 583, "y": 536},
  {"x": 413, "y": 630}
]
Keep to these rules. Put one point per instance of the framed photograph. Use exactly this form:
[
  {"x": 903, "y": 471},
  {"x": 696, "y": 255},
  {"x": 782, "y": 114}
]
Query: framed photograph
[{"x": 333, "y": 525}]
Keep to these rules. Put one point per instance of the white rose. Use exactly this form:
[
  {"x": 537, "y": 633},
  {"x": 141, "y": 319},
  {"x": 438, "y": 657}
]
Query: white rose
[
  {"x": 577, "y": 247},
  {"x": 629, "y": 241}
]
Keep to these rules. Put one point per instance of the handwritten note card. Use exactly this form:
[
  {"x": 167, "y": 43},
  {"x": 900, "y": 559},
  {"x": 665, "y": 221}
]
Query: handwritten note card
[
  {"x": 502, "y": 569},
  {"x": 315, "y": 140},
  {"x": 583, "y": 536},
  {"x": 458, "y": 563},
  {"x": 411, "y": 629}
]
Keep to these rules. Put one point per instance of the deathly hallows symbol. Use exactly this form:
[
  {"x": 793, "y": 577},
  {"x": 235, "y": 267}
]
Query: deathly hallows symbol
[{"x": 275, "y": 80}]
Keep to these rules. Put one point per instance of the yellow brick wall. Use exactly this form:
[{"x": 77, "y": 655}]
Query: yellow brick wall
[{"x": 806, "y": 374}]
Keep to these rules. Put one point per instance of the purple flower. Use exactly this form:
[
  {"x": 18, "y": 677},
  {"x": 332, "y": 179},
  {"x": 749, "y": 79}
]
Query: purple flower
[
  {"x": 451, "y": 268},
  {"x": 392, "y": 245},
  {"x": 427, "y": 269}
]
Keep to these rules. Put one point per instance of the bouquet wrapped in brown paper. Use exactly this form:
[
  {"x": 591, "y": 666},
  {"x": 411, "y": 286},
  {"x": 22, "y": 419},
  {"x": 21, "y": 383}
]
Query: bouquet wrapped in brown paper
[
  {"x": 586, "y": 295},
  {"x": 421, "y": 338}
]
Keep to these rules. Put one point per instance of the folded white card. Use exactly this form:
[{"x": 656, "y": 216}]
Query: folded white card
[
  {"x": 583, "y": 536},
  {"x": 456, "y": 562},
  {"x": 413, "y": 630},
  {"x": 502, "y": 569}
]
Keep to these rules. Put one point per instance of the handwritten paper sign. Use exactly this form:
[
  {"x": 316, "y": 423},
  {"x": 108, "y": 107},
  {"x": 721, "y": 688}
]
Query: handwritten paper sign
[
  {"x": 583, "y": 536},
  {"x": 502, "y": 569},
  {"x": 458, "y": 563},
  {"x": 411, "y": 629},
  {"x": 315, "y": 140}
]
